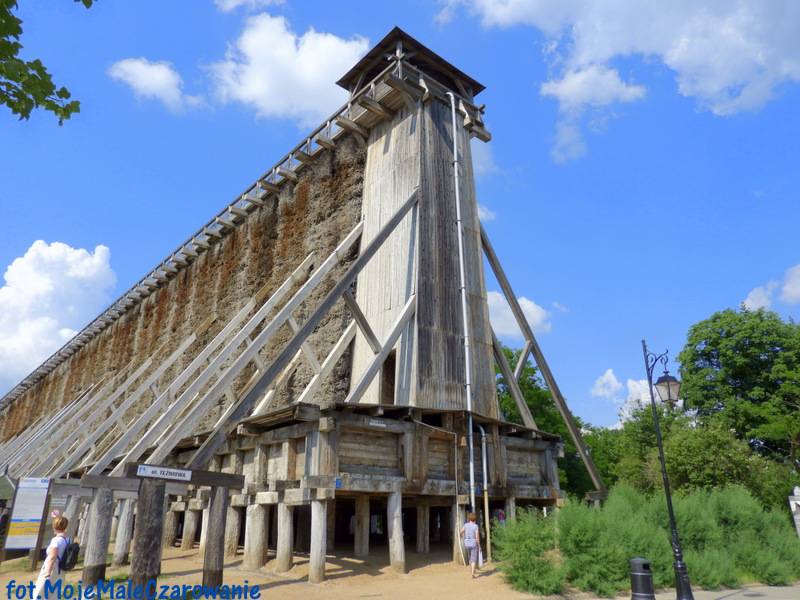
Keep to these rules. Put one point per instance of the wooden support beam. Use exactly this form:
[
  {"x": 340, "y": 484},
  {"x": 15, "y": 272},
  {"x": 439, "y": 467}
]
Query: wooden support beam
[
  {"x": 269, "y": 187},
  {"x": 303, "y": 157},
  {"x": 287, "y": 173},
  {"x": 236, "y": 210},
  {"x": 191, "y": 519},
  {"x": 325, "y": 142},
  {"x": 328, "y": 364},
  {"x": 319, "y": 534},
  {"x": 94, "y": 561},
  {"x": 423, "y": 528},
  {"x": 513, "y": 386},
  {"x": 523, "y": 359},
  {"x": 212, "y": 232},
  {"x": 399, "y": 325},
  {"x": 361, "y": 549},
  {"x": 232, "y": 525},
  {"x": 394, "y": 521},
  {"x": 283, "y": 556},
  {"x": 352, "y": 127},
  {"x": 146, "y": 563},
  {"x": 308, "y": 351},
  {"x": 541, "y": 362},
  {"x": 361, "y": 320},
  {"x": 375, "y": 107},
  {"x": 214, "y": 528},
  {"x": 166, "y": 418},
  {"x": 246, "y": 404},
  {"x": 122, "y": 544},
  {"x": 256, "y": 534}
]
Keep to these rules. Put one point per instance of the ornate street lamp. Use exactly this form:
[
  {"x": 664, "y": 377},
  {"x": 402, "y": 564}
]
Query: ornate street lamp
[{"x": 668, "y": 389}]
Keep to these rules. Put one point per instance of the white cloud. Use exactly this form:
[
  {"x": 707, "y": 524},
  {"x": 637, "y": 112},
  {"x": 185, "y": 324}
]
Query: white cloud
[
  {"x": 760, "y": 297},
  {"x": 282, "y": 74},
  {"x": 560, "y": 307},
  {"x": 503, "y": 320},
  {"x": 49, "y": 293},
  {"x": 482, "y": 158},
  {"x": 606, "y": 386},
  {"x": 485, "y": 214},
  {"x": 790, "y": 290},
  {"x": 229, "y": 5},
  {"x": 729, "y": 56},
  {"x": 638, "y": 398},
  {"x": 593, "y": 85},
  {"x": 153, "y": 81}
]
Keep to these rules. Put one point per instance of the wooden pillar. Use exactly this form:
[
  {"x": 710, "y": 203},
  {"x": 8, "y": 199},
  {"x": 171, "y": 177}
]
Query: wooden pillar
[
  {"x": 190, "y": 519},
  {"x": 204, "y": 530},
  {"x": 72, "y": 511},
  {"x": 511, "y": 508},
  {"x": 283, "y": 558},
  {"x": 361, "y": 549},
  {"x": 256, "y": 533},
  {"x": 115, "y": 522},
  {"x": 170, "y": 526},
  {"x": 319, "y": 534},
  {"x": 394, "y": 519},
  {"x": 214, "y": 527},
  {"x": 122, "y": 545},
  {"x": 94, "y": 562},
  {"x": 330, "y": 535},
  {"x": 149, "y": 531},
  {"x": 423, "y": 528},
  {"x": 232, "y": 525},
  {"x": 457, "y": 520}
]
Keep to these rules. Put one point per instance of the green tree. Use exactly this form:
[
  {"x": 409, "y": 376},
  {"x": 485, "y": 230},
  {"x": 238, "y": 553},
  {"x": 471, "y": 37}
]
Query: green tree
[
  {"x": 742, "y": 369},
  {"x": 26, "y": 85}
]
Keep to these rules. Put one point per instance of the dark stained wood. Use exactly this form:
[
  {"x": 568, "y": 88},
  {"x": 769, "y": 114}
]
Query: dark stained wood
[{"x": 148, "y": 531}]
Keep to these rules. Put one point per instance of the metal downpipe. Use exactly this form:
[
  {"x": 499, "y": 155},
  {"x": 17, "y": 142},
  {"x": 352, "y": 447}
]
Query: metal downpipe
[{"x": 464, "y": 306}]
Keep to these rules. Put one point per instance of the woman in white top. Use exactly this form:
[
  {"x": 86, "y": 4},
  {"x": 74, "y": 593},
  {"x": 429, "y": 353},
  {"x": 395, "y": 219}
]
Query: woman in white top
[
  {"x": 51, "y": 568},
  {"x": 472, "y": 541}
]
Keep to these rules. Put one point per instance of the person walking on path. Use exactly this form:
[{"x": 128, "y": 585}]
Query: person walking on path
[
  {"x": 472, "y": 541},
  {"x": 51, "y": 568}
]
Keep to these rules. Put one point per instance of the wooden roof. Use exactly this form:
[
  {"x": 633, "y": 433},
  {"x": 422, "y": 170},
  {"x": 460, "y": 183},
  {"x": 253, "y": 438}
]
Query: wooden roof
[{"x": 424, "y": 59}]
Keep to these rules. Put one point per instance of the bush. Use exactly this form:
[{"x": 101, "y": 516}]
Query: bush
[
  {"x": 525, "y": 547},
  {"x": 728, "y": 538}
]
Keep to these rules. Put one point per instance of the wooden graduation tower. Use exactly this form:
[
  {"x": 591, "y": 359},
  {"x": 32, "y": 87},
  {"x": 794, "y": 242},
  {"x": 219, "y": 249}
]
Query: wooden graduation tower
[{"x": 311, "y": 338}]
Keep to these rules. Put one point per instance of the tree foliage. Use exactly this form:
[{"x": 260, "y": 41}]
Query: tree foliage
[
  {"x": 742, "y": 370},
  {"x": 739, "y": 425},
  {"x": 26, "y": 85}
]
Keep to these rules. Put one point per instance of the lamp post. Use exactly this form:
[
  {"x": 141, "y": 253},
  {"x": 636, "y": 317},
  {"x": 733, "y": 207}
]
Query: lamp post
[{"x": 668, "y": 389}]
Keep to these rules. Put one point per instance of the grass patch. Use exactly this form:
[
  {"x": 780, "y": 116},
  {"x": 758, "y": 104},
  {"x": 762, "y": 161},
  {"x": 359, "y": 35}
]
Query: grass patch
[{"x": 728, "y": 539}]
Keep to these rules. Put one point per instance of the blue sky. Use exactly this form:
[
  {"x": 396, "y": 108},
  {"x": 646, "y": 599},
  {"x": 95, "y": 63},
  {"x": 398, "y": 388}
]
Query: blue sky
[{"x": 638, "y": 180}]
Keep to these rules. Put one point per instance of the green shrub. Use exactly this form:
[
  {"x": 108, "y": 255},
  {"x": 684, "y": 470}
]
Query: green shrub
[
  {"x": 727, "y": 536},
  {"x": 525, "y": 546}
]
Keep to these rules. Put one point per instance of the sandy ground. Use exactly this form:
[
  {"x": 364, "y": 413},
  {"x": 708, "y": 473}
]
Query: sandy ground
[{"x": 432, "y": 577}]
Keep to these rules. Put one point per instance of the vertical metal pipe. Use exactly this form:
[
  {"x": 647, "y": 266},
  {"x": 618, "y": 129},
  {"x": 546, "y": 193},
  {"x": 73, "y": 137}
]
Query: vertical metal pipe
[
  {"x": 464, "y": 306},
  {"x": 486, "y": 515}
]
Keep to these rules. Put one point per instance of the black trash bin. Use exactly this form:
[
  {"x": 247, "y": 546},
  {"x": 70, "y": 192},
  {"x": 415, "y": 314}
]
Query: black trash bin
[{"x": 641, "y": 580}]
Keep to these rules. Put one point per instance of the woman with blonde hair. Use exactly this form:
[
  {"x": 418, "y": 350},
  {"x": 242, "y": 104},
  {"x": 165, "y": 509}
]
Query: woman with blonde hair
[
  {"x": 472, "y": 541},
  {"x": 51, "y": 568}
]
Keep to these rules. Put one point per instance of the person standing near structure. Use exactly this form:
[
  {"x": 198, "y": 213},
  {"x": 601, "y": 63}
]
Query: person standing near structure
[
  {"x": 51, "y": 568},
  {"x": 472, "y": 541}
]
